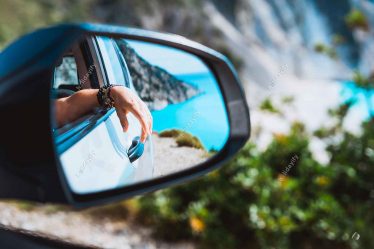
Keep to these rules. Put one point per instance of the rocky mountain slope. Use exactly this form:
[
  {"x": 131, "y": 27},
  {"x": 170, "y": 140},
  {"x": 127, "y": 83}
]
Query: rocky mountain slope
[
  {"x": 157, "y": 87},
  {"x": 264, "y": 39}
]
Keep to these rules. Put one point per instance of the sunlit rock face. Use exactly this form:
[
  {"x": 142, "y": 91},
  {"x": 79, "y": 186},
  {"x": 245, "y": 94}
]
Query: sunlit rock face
[
  {"x": 276, "y": 38},
  {"x": 268, "y": 37},
  {"x": 157, "y": 87},
  {"x": 285, "y": 32}
]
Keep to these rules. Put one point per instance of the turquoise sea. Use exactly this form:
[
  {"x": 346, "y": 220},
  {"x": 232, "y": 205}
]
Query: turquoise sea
[{"x": 204, "y": 115}]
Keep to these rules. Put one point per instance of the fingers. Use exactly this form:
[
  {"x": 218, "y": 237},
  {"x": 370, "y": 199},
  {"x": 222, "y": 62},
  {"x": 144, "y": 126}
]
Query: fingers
[
  {"x": 126, "y": 101},
  {"x": 149, "y": 118},
  {"x": 142, "y": 113},
  {"x": 143, "y": 136},
  {"x": 141, "y": 116},
  {"x": 125, "y": 123},
  {"x": 123, "y": 119}
]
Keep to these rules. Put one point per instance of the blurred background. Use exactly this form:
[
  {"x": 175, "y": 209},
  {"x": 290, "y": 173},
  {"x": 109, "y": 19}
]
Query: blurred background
[{"x": 306, "y": 177}]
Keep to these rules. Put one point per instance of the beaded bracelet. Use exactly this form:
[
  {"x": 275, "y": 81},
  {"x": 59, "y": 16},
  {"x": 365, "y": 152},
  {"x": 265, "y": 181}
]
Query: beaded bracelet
[{"x": 104, "y": 98}]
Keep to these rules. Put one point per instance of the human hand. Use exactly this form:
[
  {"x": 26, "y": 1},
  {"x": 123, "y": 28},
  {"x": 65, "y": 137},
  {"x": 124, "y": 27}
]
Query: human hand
[{"x": 126, "y": 101}]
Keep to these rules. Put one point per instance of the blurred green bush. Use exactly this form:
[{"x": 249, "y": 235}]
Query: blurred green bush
[
  {"x": 18, "y": 16},
  {"x": 253, "y": 203},
  {"x": 356, "y": 19},
  {"x": 266, "y": 199},
  {"x": 183, "y": 138}
]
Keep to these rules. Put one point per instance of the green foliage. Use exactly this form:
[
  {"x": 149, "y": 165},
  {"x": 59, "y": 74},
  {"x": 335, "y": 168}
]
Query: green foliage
[
  {"x": 366, "y": 85},
  {"x": 353, "y": 160},
  {"x": 253, "y": 202},
  {"x": 189, "y": 141},
  {"x": 18, "y": 17},
  {"x": 287, "y": 100},
  {"x": 183, "y": 138},
  {"x": 268, "y": 106},
  {"x": 250, "y": 204},
  {"x": 170, "y": 133},
  {"x": 25, "y": 205},
  {"x": 324, "y": 49},
  {"x": 356, "y": 19},
  {"x": 116, "y": 212},
  {"x": 320, "y": 47},
  {"x": 364, "y": 82}
]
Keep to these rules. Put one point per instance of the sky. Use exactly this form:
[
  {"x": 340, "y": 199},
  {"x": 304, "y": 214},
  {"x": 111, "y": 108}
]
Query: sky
[{"x": 175, "y": 61}]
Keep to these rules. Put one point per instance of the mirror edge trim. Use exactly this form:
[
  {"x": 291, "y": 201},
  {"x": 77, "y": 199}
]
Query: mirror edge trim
[{"x": 235, "y": 103}]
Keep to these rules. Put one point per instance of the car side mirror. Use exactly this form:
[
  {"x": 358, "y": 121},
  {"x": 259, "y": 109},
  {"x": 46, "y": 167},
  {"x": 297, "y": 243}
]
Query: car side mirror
[{"x": 61, "y": 141}]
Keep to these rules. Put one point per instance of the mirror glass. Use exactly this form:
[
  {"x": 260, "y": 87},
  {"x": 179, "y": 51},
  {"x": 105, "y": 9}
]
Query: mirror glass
[{"x": 171, "y": 94}]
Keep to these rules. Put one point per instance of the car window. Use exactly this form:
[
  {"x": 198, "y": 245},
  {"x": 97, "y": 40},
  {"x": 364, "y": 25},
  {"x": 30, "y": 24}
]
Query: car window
[
  {"x": 77, "y": 70},
  {"x": 114, "y": 66},
  {"x": 66, "y": 73}
]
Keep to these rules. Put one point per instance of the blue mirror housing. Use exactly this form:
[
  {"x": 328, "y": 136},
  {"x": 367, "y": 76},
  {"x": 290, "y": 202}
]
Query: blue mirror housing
[{"x": 29, "y": 164}]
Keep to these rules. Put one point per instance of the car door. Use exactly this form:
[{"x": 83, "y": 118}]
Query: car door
[
  {"x": 117, "y": 72},
  {"x": 98, "y": 146}
]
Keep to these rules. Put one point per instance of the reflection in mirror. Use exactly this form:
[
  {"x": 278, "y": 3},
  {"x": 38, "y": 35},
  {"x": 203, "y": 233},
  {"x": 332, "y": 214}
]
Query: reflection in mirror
[
  {"x": 106, "y": 138},
  {"x": 184, "y": 98}
]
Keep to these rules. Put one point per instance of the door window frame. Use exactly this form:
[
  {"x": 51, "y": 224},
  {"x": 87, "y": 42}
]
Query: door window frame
[
  {"x": 121, "y": 60},
  {"x": 69, "y": 134}
]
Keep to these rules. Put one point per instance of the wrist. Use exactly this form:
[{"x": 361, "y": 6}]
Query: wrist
[
  {"x": 108, "y": 95},
  {"x": 115, "y": 92},
  {"x": 104, "y": 97}
]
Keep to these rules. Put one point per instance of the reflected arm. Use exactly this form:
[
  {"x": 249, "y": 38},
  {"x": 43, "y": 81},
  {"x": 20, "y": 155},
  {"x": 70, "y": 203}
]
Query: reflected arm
[
  {"x": 82, "y": 102},
  {"x": 71, "y": 108}
]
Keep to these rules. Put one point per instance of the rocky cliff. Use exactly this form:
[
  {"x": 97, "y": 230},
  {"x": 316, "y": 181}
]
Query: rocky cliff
[
  {"x": 264, "y": 38},
  {"x": 157, "y": 87}
]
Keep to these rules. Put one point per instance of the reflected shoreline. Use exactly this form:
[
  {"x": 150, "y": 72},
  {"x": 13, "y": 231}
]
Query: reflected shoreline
[{"x": 178, "y": 157}]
